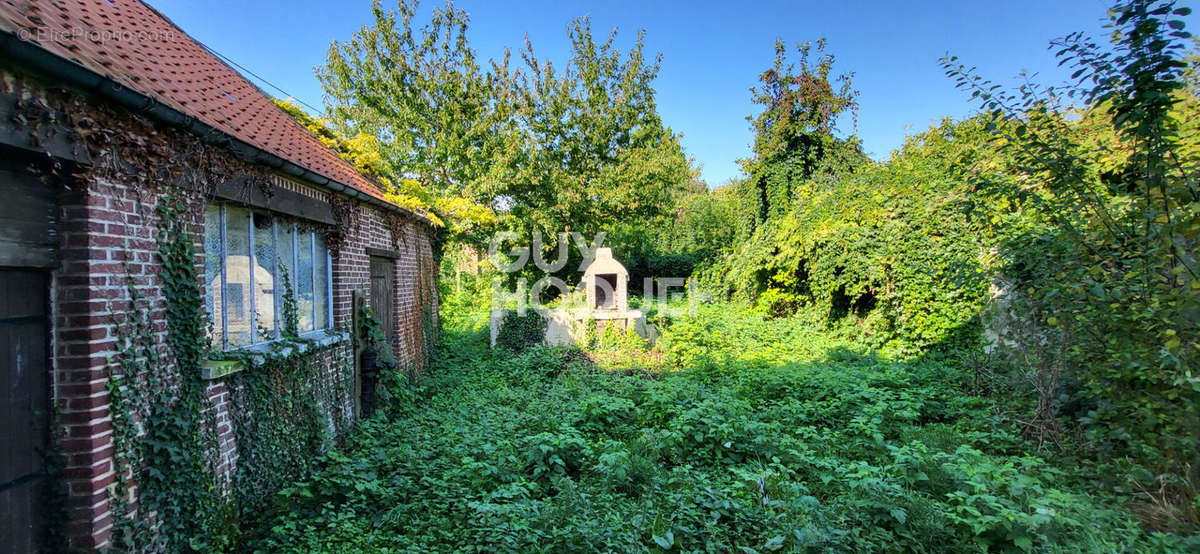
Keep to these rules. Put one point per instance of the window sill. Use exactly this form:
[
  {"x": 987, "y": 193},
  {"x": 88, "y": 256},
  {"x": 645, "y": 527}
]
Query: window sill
[{"x": 259, "y": 354}]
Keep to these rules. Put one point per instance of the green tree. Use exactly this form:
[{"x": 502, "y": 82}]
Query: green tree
[
  {"x": 578, "y": 149},
  {"x": 795, "y": 133},
  {"x": 422, "y": 93},
  {"x": 702, "y": 223},
  {"x": 592, "y": 152},
  {"x": 798, "y": 156},
  {"x": 462, "y": 220}
]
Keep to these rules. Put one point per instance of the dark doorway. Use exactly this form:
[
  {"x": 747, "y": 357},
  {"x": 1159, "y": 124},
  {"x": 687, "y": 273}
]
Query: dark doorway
[
  {"x": 606, "y": 291},
  {"x": 383, "y": 300},
  {"x": 24, "y": 384}
]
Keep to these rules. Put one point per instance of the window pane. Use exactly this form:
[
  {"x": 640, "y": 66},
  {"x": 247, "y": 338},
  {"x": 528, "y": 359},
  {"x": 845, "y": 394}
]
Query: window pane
[
  {"x": 264, "y": 277},
  {"x": 322, "y": 284},
  {"x": 212, "y": 271},
  {"x": 237, "y": 276},
  {"x": 304, "y": 280},
  {"x": 287, "y": 267}
]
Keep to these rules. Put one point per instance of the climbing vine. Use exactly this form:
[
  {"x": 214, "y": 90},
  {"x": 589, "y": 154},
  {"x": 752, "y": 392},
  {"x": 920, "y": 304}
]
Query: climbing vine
[
  {"x": 287, "y": 407},
  {"x": 286, "y": 411},
  {"x": 427, "y": 298},
  {"x": 288, "y": 404},
  {"x": 288, "y": 308},
  {"x": 162, "y": 436}
]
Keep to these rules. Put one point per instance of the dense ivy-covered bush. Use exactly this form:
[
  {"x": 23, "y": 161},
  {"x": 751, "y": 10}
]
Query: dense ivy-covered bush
[
  {"x": 1113, "y": 273},
  {"x": 894, "y": 248},
  {"x": 519, "y": 331}
]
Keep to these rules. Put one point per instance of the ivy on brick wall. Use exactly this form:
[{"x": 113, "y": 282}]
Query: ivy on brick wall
[
  {"x": 163, "y": 440},
  {"x": 286, "y": 411},
  {"x": 286, "y": 408}
]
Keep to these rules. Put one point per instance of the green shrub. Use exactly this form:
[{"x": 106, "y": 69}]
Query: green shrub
[
  {"x": 518, "y": 332},
  {"x": 889, "y": 254}
]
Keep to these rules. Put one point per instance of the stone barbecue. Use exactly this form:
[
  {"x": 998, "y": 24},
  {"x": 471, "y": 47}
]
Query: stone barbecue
[
  {"x": 607, "y": 283},
  {"x": 605, "y": 286}
]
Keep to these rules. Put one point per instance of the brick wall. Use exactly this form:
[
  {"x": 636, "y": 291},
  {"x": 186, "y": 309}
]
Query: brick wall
[
  {"x": 108, "y": 248},
  {"x": 415, "y": 291}
]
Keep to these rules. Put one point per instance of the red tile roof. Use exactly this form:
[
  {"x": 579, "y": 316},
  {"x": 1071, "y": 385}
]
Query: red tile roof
[{"x": 131, "y": 43}]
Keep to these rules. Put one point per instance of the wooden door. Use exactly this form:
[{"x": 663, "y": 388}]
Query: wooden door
[
  {"x": 383, "y": 300},
  {"x": 24, "y": 384}
]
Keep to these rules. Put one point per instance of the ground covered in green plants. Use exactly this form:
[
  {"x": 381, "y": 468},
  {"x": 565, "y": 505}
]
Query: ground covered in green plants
[
  {"x": 989, "y": 341},
  {"x": 736, "y": 434}
]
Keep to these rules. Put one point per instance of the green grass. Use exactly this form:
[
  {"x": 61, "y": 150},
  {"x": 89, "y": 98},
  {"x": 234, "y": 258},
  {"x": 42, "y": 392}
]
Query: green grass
[{"x": 742, "y": 435}]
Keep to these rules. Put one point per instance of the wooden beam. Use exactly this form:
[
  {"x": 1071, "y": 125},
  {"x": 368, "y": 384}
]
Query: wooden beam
[
  {"x": 50, "y": 135},
  {"x": 382, "y": 253},
  {"x": 28, "y": 213},
  {"x": 278, "y": 200}
]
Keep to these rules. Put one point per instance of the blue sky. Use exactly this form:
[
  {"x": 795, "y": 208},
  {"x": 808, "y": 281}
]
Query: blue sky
[{"x": 713, "y": 51}]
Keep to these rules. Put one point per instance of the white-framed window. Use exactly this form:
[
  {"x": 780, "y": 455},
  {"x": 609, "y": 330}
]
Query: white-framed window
[{"x": 250, "y": 306}]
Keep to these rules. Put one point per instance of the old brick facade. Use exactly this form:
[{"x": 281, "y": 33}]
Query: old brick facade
[{"x": 105, "y": 269}]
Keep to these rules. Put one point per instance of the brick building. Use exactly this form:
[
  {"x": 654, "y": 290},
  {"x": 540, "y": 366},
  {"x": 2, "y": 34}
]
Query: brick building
[{"x": 121, "y": 135}]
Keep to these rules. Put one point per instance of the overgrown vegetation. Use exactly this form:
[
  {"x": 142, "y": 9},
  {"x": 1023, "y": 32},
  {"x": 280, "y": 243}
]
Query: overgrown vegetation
[
  {"x": 1060, "y": 226},
  {"x": 986, "y": 342},
  {"x": 894, "y": 247},
  {"x": 749, "y": 433},
  {"x": 175, "y": 487},
  {"x": 1111, "y": 262},
  {"x": 520, "y": 331}
]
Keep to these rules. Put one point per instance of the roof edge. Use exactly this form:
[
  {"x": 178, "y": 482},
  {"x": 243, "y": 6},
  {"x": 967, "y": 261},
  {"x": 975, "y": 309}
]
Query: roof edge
[{"x": 35, "y": 58}]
